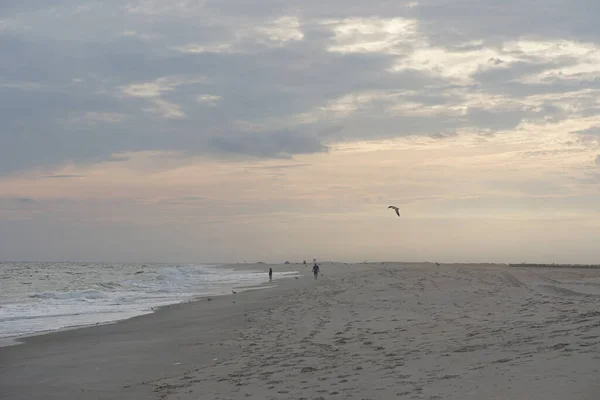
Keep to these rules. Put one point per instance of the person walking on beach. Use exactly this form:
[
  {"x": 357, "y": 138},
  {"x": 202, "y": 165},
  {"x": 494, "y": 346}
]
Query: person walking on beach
[
  {"x": 316, "y": 270},
  {"x": 270, "y": 274}
]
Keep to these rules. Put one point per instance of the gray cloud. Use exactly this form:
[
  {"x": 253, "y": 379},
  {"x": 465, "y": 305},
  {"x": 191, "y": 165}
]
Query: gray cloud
[
  {"x": 469, "y": 19},
  {"x": 17, "y": 202},
  {"x": 63, "y": 176},
  {"x": 272, "y": 144},
  {"x": 25, "y": 200},
  {"x": 185, "y": 200},
  {"x": 83, "y": 81},
  {"x": 282, "y": 167},
  {"x": 494, "y": 120},
  {"x": 594, "y": 130}
]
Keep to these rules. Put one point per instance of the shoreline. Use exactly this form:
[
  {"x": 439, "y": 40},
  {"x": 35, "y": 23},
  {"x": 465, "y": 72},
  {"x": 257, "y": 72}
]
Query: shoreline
[
  {"x": 22, "y": 339},
  {"x": 122, "y": 357}
]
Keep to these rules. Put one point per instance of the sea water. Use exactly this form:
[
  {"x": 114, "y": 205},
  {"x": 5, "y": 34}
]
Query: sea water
[{"x": 42, "y": 297}]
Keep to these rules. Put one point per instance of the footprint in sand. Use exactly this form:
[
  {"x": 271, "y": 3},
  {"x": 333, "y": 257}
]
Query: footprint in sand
[{"x": 450, "y": 377}]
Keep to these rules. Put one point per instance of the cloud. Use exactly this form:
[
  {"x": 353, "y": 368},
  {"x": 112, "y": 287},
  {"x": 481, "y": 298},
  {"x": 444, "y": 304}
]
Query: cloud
[
  {"x": 282, "y": 167},
  {"x": 63, "y": 176},
  {"x": 219, "y": 79},
  {"x": 25, "y": 201},
  {"x": 17, "y": 209},
  {"x": 372, "y": 35},
  {"x": 209, "y": 99},
  {"x": 153, "y": 92},
  {"x": 282, "y": 30},
  {"x": 272, "y": 144},
  {"x": 158, "y": 86},
  {"x": 13, "y": 25},
  {"x": 140, "y": 35},
  {"x": 593, "y": 130},
  {"x": 184, "y": 200},
  {"x": 98, "y": 117},
  {"x": 246, "y": 37}
]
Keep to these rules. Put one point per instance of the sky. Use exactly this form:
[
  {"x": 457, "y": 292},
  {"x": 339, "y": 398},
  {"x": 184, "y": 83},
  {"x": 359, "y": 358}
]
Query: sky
[{"x": 267, "y": 130}]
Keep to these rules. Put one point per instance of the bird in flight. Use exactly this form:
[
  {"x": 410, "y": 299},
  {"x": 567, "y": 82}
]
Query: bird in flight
[{"x": 395, "y": 209}]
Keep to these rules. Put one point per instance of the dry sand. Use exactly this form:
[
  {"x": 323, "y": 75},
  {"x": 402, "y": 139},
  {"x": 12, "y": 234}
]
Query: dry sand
[{"x": 363, "y": 331}]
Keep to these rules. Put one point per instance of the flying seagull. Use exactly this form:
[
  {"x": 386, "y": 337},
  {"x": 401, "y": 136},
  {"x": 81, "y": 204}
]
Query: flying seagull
[{"x": 396, "y": 209}]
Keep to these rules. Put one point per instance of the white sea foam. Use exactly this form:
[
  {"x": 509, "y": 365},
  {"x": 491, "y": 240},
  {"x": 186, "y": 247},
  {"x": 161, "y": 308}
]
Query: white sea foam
[{"x": 40, "y": 297}]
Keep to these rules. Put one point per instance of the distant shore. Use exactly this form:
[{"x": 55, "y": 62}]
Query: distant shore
[{"x": 528, "y": 265}]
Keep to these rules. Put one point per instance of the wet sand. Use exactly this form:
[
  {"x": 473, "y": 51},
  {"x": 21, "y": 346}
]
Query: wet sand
[{"x": 362, "y": 331}]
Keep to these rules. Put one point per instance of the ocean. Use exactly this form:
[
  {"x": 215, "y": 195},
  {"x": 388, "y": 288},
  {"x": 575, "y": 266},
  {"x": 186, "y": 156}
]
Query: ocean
[{"x": 43, "y": 297}]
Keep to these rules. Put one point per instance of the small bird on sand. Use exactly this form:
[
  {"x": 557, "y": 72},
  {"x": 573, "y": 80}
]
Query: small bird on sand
[
  {"x": 396, "y": 209},
  {"x": 234, "y": 292}
]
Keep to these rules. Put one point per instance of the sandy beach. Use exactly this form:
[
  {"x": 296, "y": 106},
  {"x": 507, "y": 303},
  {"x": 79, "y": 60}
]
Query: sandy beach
[{"x": 361, "y": 331}]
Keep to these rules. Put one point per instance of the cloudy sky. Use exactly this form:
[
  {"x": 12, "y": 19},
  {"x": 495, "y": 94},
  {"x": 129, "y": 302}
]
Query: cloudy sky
[{"x": 190, "y": 130}]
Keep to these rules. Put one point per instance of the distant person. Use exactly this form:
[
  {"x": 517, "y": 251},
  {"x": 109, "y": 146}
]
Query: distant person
[
  {"x": 270, "y": 274},
  {"x": 316, "y": 270}
]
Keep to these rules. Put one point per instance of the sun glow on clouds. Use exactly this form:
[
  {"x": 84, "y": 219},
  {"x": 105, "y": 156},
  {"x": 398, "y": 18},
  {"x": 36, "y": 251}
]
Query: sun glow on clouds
[
  {"x": 413, "y": 171},
  {"x": 457, "y": 66},
  {"x": 159, "y": 86},
  {"x": 152, "y": 92},
  {"x": 461, "y": 65},
  {"x": 584, "y": 59},
  {"x": 276, "y": 33},
  {"x": 401, "y": 37},
  {"x": 371, "y": 35}
]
